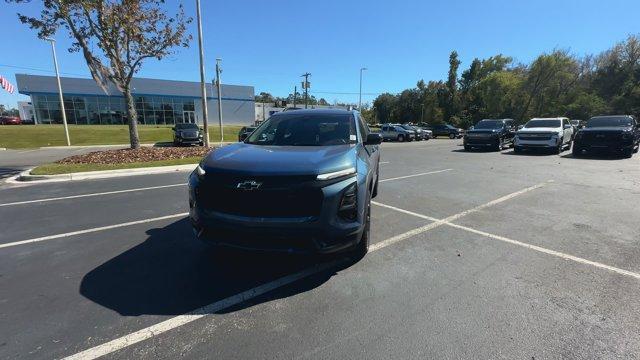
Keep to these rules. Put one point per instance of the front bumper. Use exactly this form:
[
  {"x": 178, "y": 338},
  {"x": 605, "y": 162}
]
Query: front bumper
[
  {"x": 551, "y": 143},
  {"x": 322, "y": 234},
  {"x": 481, "y": 141},
  {"x": 603, "y": 147},
  {"x": 189, "y": 141}
]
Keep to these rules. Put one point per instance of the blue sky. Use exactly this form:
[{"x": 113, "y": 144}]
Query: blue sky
[{"x": 269, "y": 44}]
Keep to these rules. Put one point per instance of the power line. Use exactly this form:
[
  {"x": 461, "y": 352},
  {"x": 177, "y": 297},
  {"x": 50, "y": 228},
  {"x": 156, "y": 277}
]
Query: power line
[
  {"x": 37, "y": 69},
  {"x": 342, "y": 93}
]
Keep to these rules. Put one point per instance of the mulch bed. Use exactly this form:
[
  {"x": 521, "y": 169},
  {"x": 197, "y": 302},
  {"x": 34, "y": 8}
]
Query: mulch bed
[{"x": 143, "y": 154}]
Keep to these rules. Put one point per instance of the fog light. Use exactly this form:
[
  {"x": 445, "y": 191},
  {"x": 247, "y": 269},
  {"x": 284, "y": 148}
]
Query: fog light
[{"x": 348, "y": 209}]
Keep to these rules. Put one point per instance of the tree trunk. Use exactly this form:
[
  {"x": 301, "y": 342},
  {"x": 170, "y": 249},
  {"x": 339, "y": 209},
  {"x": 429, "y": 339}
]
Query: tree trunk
[{"x": 133, "y": 119}]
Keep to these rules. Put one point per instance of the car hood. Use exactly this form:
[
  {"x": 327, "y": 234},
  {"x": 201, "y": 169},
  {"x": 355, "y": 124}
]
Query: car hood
[
  {"x": 540, "y": 130},
  {"x": 279, "y": 160},
  {"x": 607, "y": 129}
]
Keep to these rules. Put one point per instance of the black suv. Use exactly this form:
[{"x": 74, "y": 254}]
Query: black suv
[
  {"x": 617, "y": 133},
  {"x": 450, "y": 131},
  {"x": 490, "y": 133},
  {"x": 187, "y": 133}
]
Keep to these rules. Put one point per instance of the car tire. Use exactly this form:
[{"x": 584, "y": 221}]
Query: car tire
[
  {"x": 560, "y": 147},
  {"x": 636, "y": 149},
  {"x": 452, "y": 136},
  {"x": 517, "y": 149},
  {"x": 401, "y": 138},
  {"x": 627, "y": 154},
  {"x": 467, "y": 148},
  {"x": 362, "y": 247},
  {"x": 499, "y": 146}
]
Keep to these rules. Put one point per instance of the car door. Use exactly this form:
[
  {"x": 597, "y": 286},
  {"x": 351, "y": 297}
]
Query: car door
[{"x": 384, "y": 131}]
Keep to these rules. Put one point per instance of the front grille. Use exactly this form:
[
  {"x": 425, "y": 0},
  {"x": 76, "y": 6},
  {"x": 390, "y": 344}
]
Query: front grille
[
  {"x": 535, "y": 137},
  {"x": 277, "y": 196},
  {"x": 602, "y": 137},
  {"x": 189, "y": 134}
]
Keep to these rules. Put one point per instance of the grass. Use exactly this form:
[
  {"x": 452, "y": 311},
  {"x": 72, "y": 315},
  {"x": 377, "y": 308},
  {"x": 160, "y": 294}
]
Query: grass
[
  {"x": 55, "y": 169},
  {"x": 30, "y": 136}
]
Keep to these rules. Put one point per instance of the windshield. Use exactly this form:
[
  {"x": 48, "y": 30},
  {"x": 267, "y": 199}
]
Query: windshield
[
  {"x": 186, "y": 127},
  {"x": 543, "y": 124},
  {"x": 305, "y": 130},
  {"x": 489, "y": 124},
  {"x": 407, "y": 127},
  {"x": 610, "y": 121}
]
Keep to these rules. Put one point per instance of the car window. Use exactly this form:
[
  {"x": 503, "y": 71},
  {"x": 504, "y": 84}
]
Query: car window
[
  {"x": 543, "y": 124},
  {"x": 610, "y": 121},
  {"x": 305, "y": 130},
  {"x": 385, "y": 128}
]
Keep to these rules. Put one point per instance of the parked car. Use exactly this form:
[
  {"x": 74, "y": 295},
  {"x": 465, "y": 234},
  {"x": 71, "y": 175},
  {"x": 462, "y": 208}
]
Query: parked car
[
  {"x": 10, "y": 120},
  {"x": 618, "y": 133},
  {"x": 427, "y": 134},
  {"x": 490, "y": 133},
  {"x": 545, "y": 133},
  {"x": 447, "y": 130},
  {"x": 245, "y": 131},
  {"x": 187, "y": 134},
  {"x": 392, "y": 132},
  {"x": 302, "y": 182},
  {"x": 418, "y": 133}
]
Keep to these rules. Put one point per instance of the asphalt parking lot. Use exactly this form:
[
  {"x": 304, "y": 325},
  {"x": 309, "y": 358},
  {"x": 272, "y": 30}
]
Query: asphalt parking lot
[{"x": 474, "y": 255}]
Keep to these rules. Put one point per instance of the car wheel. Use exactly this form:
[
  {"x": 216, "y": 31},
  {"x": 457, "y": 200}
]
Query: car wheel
[
  {"x": 560, "y": 147},
  {"x": 401, "y": 138},
  {"x": 467, "y": 148},
  {"x": 636, "y": 149},
  {"x": 628, "y": 153},
  {"x": 452, "y": 136},
  {"x": 374, "y": 193},
  {"x": 362, "y": 248},
  {"x": 499, "y": 146},
  {"x": 517, "y": 149},
  {"x": 576, "y": 151}
]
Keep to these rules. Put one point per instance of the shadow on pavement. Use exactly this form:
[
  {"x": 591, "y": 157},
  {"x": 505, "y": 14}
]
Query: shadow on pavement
[
  {"x": 171, "y": 273},
  {"x": 8, "y": 172},
  {"x": 596, "y": 156}
]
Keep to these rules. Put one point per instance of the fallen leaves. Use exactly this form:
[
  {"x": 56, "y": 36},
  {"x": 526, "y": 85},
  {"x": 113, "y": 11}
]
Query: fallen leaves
[{"x": 144, "y": 154}]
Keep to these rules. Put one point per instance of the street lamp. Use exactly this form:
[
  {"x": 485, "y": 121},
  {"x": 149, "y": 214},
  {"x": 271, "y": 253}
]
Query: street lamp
[
  {"x": 203, "y": 87},
  {"x": 360, "y": 96},
  {"x": 64, "y": 113}
]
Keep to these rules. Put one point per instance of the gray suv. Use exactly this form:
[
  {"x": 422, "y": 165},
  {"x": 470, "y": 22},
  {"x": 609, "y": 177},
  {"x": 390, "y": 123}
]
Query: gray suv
[{"x": 392, "y": 132}]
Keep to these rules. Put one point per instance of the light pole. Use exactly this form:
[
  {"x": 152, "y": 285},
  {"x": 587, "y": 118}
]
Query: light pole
[
  {"x": 205, "y": 115},
  {"x": 64, "y": 114},
  {"x": 305, "y": 85},
  {"x": 360, "y": 96},
  {"x": 218, "y": 71}
]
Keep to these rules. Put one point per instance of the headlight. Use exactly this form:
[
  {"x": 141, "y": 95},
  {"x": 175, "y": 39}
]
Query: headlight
[{"x": 336, "y": 174}]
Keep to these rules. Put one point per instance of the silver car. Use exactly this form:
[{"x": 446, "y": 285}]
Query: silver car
[{"x": 392, "y": 132}]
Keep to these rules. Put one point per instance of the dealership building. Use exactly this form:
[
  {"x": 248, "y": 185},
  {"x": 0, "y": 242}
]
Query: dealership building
[{"x": 157, "y": 101}]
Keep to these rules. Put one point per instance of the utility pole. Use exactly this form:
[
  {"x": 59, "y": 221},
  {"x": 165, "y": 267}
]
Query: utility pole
[
  {"x": 218, "y": 71},
  {"x": 360, "y": 96},
  {"x": 305, "y": 86},
  {"x": 64, "y": 113},
  {"x": 205, "y": 113},
  {"x": 295, "y": 95}
]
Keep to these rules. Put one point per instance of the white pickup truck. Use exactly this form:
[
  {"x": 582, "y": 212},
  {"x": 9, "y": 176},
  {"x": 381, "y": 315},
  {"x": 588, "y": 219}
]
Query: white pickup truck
[{"x": 545, "y": 133}]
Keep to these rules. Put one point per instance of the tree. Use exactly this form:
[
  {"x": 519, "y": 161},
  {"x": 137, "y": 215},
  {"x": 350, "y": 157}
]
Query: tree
[
  {"x": 115, "y": 37},
  {"x": 452, "y": 86},
  {"x": 265, "y": 97},
  {"x": 322, "y": 101},
  {"x": 384, "y": 106}
]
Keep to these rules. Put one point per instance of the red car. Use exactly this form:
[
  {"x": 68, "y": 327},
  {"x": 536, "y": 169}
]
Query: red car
[{"x": 10, "y": 120}]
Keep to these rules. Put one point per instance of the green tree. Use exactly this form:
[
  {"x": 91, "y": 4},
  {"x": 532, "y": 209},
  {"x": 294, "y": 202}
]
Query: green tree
[
  {"x": 115, "y": 38},
  {"x": 451, "y": 104},
  {"x": 385, "y": 105}
]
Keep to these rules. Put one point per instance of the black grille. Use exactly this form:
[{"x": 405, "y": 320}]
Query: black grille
[
  {"x": 541, "y": 137},
  {"x": 602, "y": 137},
  {"x": 277, "y": 196}
]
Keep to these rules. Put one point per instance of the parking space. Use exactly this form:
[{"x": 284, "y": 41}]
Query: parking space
[{"x": 482, "y": 254}]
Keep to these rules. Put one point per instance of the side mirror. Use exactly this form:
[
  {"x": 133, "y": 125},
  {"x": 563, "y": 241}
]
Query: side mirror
[{"x": 373, "y": 139}]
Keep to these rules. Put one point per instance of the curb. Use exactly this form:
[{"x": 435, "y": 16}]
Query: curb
[
  {"x": 2, "y": 149},
  {"x": 157, "y": 144},
  {"x": 25, "y": 177}
]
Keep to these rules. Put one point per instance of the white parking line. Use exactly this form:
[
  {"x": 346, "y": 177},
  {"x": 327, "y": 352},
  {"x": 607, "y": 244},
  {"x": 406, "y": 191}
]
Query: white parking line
[
  {"x": 86, "y": 231},
  {"x": 447, "y": 221},
  {"x": 177, "y": 321},
  {"x": 414, "y": 175},
  {"x": 90, "y": 195},
  {"x": 383, "y": 162}
]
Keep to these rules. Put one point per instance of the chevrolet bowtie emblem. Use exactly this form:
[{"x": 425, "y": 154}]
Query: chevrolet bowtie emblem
[{"x": 248, "y": 185}]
